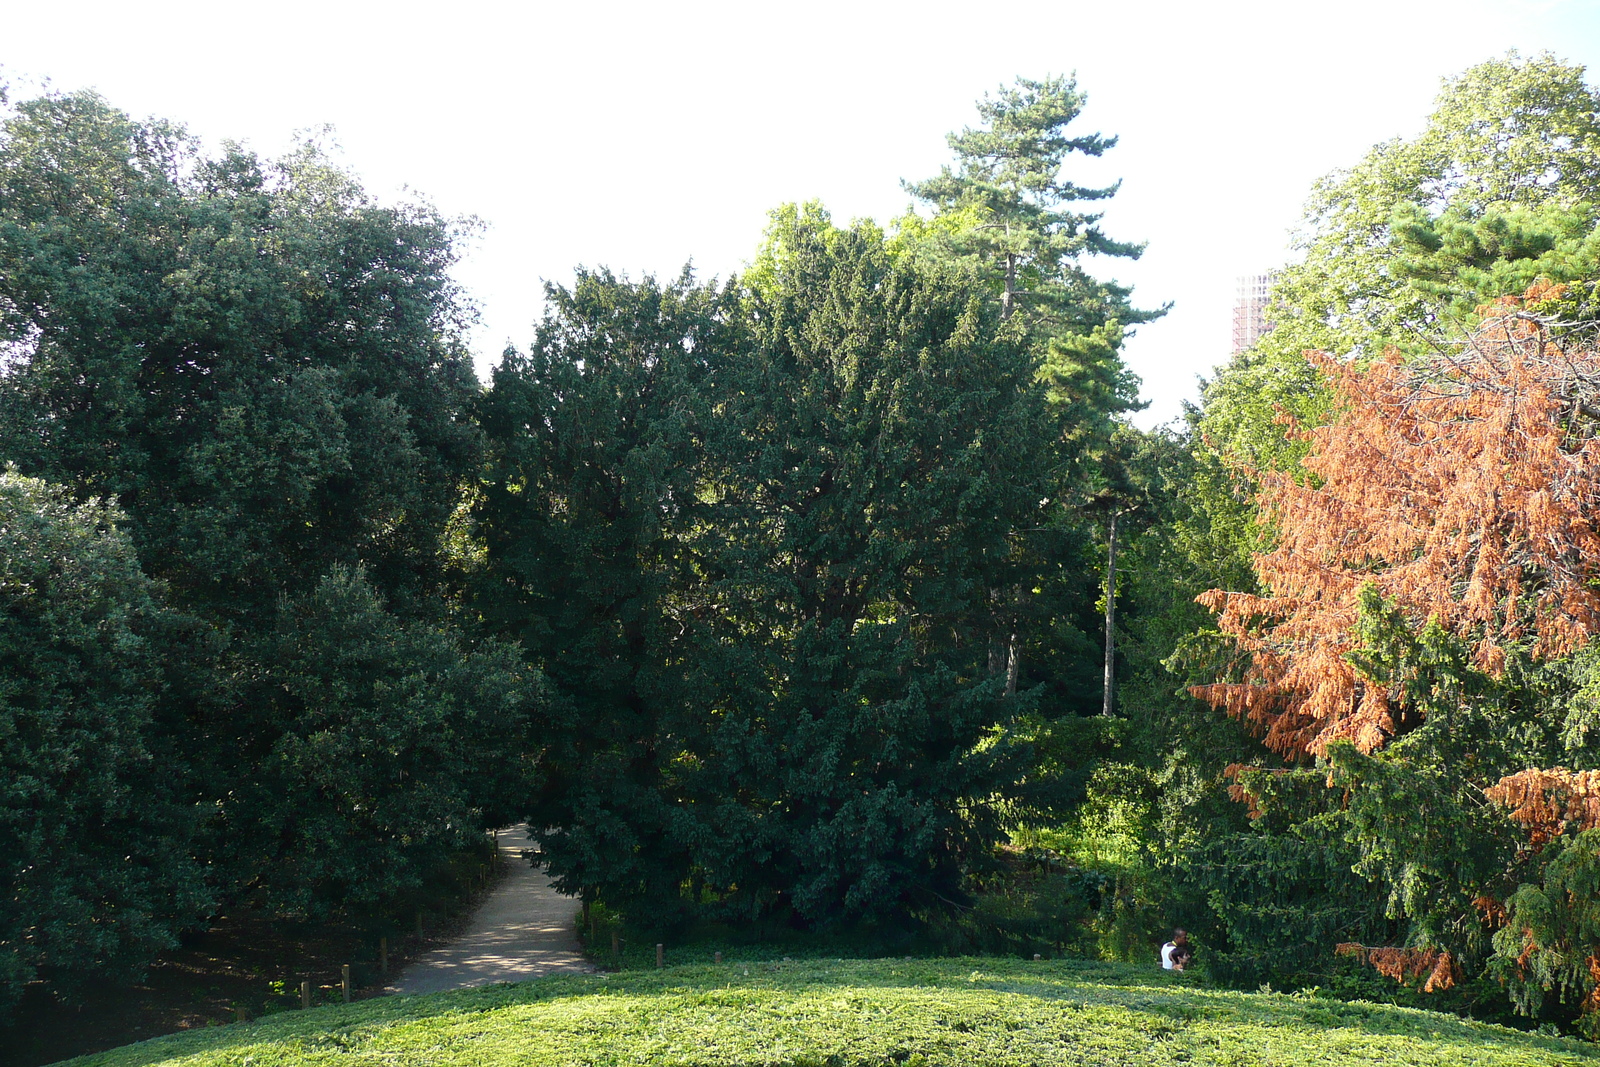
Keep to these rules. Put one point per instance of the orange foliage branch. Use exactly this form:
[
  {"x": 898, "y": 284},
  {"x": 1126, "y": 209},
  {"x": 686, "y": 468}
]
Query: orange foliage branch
[
  {"x": 1591, "y": 1002},
  {"x": 1545, "y": 801},
  {"x": 1407, "y": 964},
  {"x": 1492, "y": 911},
  {"x": 1240, "y": 792},
  {"x": 1462, "y": 486}
]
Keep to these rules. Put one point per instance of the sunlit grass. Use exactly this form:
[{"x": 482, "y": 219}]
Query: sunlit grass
[{"x": 881, "y": 1012}]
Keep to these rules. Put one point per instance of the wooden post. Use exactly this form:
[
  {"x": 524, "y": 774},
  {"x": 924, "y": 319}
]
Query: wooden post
[
  {"x": 717, "y": 958},
  {"x": 305, "y": 993},
  {"x": 1035, "y": 957},
  {"x": 344, "y": 981},
  {"x": 661, "y": 954},
  {"x": 383, "y": 956}
]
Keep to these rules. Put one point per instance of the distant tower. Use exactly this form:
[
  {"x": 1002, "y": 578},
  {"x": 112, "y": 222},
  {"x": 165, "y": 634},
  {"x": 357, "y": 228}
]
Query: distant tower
[{"x": 1250, "y": 310}]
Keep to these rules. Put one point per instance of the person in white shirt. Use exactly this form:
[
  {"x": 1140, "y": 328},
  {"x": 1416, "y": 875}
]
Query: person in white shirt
[{"x": 1176, "y": 954}]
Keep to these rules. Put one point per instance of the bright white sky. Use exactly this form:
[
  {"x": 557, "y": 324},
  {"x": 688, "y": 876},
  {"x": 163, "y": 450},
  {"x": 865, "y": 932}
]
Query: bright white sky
[{"x": 642, "y": 135}]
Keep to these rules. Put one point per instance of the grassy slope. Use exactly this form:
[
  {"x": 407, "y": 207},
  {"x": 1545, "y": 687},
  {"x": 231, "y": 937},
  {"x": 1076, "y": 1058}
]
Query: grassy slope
[{"x": 889, "y": 1012}]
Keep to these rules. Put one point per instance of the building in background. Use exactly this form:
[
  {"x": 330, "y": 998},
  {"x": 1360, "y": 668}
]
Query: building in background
[{"x": 1250, "y": 322}]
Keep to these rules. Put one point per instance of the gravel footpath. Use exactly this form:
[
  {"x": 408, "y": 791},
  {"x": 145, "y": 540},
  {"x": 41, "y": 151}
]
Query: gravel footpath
[{"x": 524, "y": 930}]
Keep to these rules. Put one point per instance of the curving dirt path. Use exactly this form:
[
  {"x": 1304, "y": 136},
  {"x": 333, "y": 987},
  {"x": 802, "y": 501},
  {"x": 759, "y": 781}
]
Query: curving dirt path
[{"x": 524, "y": 930}]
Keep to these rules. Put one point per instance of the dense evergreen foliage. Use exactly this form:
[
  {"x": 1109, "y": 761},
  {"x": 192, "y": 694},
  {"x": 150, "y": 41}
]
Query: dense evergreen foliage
[
  {"x": 775, "y": 514},
  {"x": 839, "y": 596},
  {"x": 591, "y": 513},
  {"x": 261, "y": 369},
  {"x": 96, "y": 868},
  {"x": 392, "y": 744},
  {"x": 711, "y": 585}
]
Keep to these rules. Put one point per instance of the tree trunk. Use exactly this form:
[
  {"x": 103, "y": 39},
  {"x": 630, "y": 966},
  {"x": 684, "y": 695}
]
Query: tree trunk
[
  {"x": 1009, "y": 296},
  {"x": 1013, "y": 665},
  {"x": 1008, "y": 657},
  {"x": 1013, "y": 647},
  {"x": 997, "y": 647},
  {"x": 1107, "y": 698},
  {"x": 1005, "y": 653}
]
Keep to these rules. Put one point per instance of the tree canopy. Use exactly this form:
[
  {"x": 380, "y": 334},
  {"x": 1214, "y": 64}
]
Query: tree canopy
[
  {"x": 1460, "y": 488},
  {"x": 260, "y": 368},
  {"x": 1007, "y": 208},
  {"x": 96, "y": 861},
  {"x": 1399, "y": 250},
  {"x": 775, "y": 601},
  {"x": 258, "y": 362},
  {"x": 774, "y": 510}
]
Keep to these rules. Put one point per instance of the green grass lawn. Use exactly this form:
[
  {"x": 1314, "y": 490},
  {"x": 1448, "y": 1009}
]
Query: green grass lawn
[{"x": 881, "y": 1012}]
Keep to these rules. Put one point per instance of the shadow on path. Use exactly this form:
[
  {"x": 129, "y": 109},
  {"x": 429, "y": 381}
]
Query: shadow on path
[{"x": 524, "y": 930}]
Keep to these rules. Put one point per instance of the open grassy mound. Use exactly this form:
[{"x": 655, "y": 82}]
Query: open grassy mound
[{"x": 879, "y": 1012}]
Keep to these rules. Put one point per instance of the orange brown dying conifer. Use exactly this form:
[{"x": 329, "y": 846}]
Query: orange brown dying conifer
[
  {"x": 1461, "y": 486},
  {"x": 1547, "y": 801},
  {"x": 1407, "y": 964}
]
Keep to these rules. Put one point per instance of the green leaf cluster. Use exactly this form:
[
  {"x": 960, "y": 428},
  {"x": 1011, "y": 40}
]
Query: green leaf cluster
[
  {"x": 378, "y": 744},
  {"x": 258, "y": 361},
  {"x": 95, "y": 862},
  {"x": 262, "y": 369}
]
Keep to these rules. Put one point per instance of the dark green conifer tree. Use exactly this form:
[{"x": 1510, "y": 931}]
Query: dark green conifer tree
[
  {"x": 883, "y": 444},
  {"x": 747, "y": 535},
  {"x": 1008, "y": 209},
  {"x": 591, "y": 512}
]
